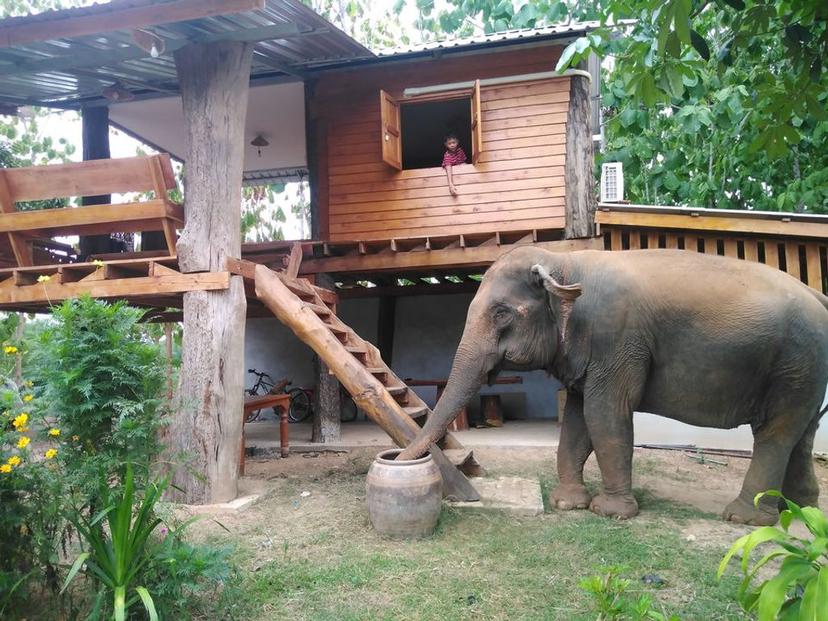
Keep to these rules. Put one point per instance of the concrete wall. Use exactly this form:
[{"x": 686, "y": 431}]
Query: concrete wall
[{"x": 427, "y": 332}]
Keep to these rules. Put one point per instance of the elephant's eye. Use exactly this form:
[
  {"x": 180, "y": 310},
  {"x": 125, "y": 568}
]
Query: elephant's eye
[{"x": 502, "y": 317}]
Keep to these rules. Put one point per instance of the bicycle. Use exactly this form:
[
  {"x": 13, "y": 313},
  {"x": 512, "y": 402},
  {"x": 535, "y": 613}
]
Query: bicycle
[{"x": 300, "y": 400}]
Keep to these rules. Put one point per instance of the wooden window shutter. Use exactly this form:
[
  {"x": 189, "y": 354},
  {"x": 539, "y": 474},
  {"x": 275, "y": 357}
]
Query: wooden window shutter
[
  {"x": 391, "y": 131},
  {"x": 476, "y": 123}
]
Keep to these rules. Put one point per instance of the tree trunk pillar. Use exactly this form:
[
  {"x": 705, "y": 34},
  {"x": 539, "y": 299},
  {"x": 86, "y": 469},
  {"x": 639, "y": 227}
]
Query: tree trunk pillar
[
  {"x": 579, "y": 170},
  {"x": 207, "y": 429}
]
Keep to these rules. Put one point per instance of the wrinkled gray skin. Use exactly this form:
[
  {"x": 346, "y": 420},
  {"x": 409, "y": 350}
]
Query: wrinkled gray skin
[{"x": 706, "y": 340}]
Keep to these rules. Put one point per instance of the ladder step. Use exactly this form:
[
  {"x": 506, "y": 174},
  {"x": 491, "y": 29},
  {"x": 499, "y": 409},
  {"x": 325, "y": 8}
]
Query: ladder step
[
  {"x": 465, "y": 461},
  {"x": 376, "y": 370},
  {"x": 319, "y": 310},
  {"x": 416, "y": 411},
  {"x": 337, "y": 330},
  {"x": 397, "y": 390},
  {"x": 298, "y": 288},
  {"x": 357, "y": 351}
]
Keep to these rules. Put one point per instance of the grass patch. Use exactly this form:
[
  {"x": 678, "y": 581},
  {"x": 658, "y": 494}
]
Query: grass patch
[{"x": 327, "y": 564}]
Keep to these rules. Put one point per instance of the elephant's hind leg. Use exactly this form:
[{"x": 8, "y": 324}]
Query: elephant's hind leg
[
  {"x": 801, "y": 485},
  {"x": 574, "y": 449},
  {"x": 773, "y": 448}
]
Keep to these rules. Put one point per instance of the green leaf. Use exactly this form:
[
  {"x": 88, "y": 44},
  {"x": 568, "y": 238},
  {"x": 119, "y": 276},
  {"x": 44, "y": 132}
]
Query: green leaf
[
  {"x": 74, "y": 570},
  {"x": 700, "y": 44},
  {"x": 146, "y": 598},
  {"x": 673, "y": 45},
  {"x": 682, "y": 20},
  {"x": 566, "y": 56},
  {"x": 119, "y": 603},
  {"x": 671, "y": 181},
  {"x": 674, "y": 78},
  {"x": 774, "y": 591},
  {"x": 648, "y": 92}
]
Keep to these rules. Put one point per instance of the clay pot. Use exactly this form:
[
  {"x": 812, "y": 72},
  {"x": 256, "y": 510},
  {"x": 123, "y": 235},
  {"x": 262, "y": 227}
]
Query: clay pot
[{"x": 404, "y": 497}]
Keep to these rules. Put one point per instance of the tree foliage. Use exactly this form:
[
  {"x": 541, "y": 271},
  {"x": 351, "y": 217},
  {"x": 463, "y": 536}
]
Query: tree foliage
[{"x": 706, "y": 102}]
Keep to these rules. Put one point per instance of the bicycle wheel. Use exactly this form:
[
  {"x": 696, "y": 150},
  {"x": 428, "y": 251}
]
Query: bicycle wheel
[
  {"x": 300, "y": 405},
  {"x": 253, "y": 414},
  {"x": 348, "y": 409}
]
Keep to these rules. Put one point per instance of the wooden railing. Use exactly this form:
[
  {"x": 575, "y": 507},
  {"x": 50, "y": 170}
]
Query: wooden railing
[{"x": 794, "y": 243}]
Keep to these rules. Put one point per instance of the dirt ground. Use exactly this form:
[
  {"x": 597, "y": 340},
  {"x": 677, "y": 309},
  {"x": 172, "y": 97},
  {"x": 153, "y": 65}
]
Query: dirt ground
[{"x": 673, "y": 476}]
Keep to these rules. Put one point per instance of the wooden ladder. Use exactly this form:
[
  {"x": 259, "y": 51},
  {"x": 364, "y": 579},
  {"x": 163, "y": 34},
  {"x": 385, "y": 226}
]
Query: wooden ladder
[{"x": 359, "y": 367}]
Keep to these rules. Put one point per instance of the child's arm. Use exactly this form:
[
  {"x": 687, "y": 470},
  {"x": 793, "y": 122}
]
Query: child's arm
[{"x": 449, "y": 176}]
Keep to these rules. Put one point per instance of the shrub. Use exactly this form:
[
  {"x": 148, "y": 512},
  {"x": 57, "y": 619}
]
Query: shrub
[
  {"x": 799, "y": 590},
  {"x": 103, "y": 381}
]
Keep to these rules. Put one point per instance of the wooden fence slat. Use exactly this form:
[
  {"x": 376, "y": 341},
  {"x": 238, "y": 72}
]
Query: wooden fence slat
[
  {"x": 691, "y": 242},
  {"x": 711, "y": 245},
  {"x": 635, "y": 240},
  {"x": 792, "y": 259},
  {"x": 652, "y": 240},
  {"x": 771, "y": 253},
  {"x": 812, "y": 263},
  {"x": 751, "y": 250},
  {"x": 615, "y": 239},
  {"x": 731, "y": 248},
  {"x": 671, "y": 241}
]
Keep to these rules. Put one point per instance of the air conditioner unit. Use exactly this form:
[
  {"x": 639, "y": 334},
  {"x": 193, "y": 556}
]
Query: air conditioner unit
[{"x": 612, "y": 182}]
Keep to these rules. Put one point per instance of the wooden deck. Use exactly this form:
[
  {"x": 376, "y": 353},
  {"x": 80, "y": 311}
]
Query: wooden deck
[{"x": 794, "y": 243}]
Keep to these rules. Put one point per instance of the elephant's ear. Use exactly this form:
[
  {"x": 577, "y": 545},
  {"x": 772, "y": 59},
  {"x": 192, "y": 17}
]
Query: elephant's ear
[{"x": 567, "y": 293}]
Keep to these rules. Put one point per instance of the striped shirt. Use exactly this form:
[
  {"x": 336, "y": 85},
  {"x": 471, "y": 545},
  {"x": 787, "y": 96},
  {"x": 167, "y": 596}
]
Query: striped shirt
[{"x": 453, "y": 159}]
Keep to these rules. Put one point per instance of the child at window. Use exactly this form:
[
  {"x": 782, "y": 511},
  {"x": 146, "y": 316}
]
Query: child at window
[{"x": 453, "y": 156}]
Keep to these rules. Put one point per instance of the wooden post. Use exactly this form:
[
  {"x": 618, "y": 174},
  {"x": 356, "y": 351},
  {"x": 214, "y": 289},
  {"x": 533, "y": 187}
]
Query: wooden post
[
  {"x": 579, "y": 171},
  {"x": 214, "y": 81},
  {"x": 95, "y": 139},
  {"x": 386, "y": 318},
  {"x": 327, "y": 405}
]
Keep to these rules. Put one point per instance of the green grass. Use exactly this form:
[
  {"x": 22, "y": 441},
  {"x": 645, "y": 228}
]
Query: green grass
[{"x": 329, "y": 565}]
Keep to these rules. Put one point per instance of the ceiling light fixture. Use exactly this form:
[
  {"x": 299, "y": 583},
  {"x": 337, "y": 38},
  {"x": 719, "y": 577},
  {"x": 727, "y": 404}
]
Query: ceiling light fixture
[
  {"x": 259, "y": 141},
  {"x": 149, "y": 42}
]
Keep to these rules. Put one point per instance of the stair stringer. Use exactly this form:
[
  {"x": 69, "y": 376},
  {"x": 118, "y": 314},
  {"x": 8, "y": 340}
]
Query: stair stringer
[{"x": 303, "y": 318}]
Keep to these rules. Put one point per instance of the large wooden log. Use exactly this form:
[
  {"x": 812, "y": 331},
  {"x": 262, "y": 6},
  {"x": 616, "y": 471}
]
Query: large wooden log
[
  {"x": 214, "y": 87},
  {"x": 327, "y": 405},
  {"x": 579, "y": 169}
]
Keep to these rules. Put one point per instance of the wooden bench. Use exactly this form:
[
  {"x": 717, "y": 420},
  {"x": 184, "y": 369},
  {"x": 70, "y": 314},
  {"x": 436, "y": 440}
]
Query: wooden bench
[{"x": 83, "y": 179}]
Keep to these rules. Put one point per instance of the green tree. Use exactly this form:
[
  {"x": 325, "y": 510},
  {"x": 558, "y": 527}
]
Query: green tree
[{"x": 717, "y": 103}]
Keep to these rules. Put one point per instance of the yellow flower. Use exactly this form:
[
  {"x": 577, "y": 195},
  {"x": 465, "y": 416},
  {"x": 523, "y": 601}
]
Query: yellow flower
[
  {"x": 23, "y": 442},
  {"x": 5, "y": 468},
  {"x": 75, "y": 438},
  {"x": 14, "y": 460},
  {"x": 44, "y": 278},
  {"x": 98, "y": 263},
  {"x": 27, "y": 398},
  {"x": 20, "y": 421},
  {"x": 28, "y": 383},
  {"x": 10, "y": 349},
  {"x": 51, "y": 453},
  {"x": 54, "y": 432}
]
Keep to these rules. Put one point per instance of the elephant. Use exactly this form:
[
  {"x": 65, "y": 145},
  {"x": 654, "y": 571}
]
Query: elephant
[{"x": 707, "y": 340}]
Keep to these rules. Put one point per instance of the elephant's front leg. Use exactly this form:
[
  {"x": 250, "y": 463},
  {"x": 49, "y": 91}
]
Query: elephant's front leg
[
  {"x": 574, "y": 449},
  {"x": 608, "y": 417}
]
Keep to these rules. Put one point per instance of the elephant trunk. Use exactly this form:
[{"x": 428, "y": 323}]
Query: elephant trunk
[{"x": 468, "y": 372}]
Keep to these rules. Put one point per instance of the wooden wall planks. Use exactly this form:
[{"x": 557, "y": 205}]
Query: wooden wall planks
[{"x": 516, "y": 185}]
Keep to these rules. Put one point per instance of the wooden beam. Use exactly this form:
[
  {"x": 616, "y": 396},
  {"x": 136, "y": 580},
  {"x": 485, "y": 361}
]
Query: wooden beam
[
  {"x": 74, "y": 23},
  {"x": 447, "y": 258},
  {"x": 579, "y": 168},
  {"x": 723, "y": 223},
  {"x": 134, "y": 287},
  {"x": 392, "y": 291}
]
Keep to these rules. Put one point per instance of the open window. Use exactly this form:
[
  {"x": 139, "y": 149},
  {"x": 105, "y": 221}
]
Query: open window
[{"x": 413, "y": 129}]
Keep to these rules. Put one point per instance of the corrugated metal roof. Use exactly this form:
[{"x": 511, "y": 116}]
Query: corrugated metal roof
[
  {"x": 71, "y": 71},
  {"x": 504, "y": 36},
  {"x": 291, "y": 41}
]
